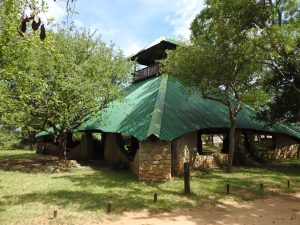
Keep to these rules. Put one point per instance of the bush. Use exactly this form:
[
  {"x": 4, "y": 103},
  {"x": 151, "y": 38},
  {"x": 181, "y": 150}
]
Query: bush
[{"x": 9, "y": 139}]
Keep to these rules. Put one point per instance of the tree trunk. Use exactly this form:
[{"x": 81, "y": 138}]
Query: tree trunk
[
  {"x": 231, "y": 143},
  {"x": 31, "y": 146},
  {"x": 63, "y": 146}
]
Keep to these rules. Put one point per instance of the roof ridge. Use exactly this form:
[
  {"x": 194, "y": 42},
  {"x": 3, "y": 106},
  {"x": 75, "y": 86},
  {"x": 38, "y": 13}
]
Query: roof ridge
[{"x": 155, "y": 123}]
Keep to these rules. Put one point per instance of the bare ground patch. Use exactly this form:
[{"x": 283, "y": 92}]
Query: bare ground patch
[{"x": 284, "y": 209}]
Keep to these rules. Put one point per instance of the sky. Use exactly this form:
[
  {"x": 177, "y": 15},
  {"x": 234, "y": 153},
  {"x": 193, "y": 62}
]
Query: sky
[{"x": 131, "y": 24}]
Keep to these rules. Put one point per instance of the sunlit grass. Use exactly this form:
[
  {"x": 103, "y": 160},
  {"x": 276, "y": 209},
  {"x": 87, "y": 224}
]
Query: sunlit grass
[
  {"x": 81, "y": 195},
  {"x": 16, "y": 154}
]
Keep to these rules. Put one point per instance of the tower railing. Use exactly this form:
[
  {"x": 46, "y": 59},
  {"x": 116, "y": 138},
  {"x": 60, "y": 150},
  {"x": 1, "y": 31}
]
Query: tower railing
[{"x": 147, "y": 72}]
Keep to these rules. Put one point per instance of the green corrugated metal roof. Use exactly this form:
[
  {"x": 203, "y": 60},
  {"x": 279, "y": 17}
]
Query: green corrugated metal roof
[
  {"x": 46, "y": 132},
  {"x": 160, "y": 106}
]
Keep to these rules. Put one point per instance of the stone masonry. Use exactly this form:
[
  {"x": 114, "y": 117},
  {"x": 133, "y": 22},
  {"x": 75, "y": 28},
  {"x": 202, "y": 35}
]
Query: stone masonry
[
  {"x": 209, "y": 161},
  {"x": 155, "y": 160},
  {"x": 114, "y": 154},
  {"x": 286, "y": 143},
  {"x": 184, "y": 149}
]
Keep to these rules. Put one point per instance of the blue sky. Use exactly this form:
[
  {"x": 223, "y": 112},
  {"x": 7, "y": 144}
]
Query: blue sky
[{"x": 132, "y": 24}]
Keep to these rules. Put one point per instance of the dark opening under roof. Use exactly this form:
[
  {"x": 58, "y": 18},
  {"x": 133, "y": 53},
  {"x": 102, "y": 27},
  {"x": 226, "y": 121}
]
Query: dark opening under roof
[{"x": 149, "y": 55}]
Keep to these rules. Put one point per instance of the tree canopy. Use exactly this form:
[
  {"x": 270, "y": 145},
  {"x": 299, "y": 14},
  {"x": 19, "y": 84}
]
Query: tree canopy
[
  {"x": 60, "y": 80},
  {"x": 219, "y": 57},
  {"x": 244, "y": 51},
  {"x": 279, "y": 41}
]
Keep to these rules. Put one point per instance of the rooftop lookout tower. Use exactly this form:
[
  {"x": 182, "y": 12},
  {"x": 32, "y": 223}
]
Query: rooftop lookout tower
[{"x": 147, "y": 58}]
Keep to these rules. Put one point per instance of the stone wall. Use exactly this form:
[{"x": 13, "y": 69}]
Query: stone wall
[
  {"x": 76, "y": 152},
  {"x": 282, "y": 154},
  {"x": 114, "y": 154},
  {"x": 209, "y": 161},
  {"x": 134, "y": 165},
  {"x": 286, "y": 143},
  {"x": 84, "y": 150},
  {"x": 154, "y": 160},
  {"x": 285, "y": 148},
  {"x": 47, "y": 148},
  {"x": 183, "y": 150},
  {"x": 87, "y": 146}
]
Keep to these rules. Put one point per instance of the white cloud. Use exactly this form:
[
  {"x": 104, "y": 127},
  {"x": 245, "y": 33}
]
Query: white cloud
[
  {"x": 185, "y": 12},
  {"x": 132, "y": 48},
  {"x": 98, "y": 29},
  {"x": 78, "y": 23},
  {"x": 55, "y": 10}
]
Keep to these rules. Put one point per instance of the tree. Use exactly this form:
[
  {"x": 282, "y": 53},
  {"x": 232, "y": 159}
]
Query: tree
[
  {"x": 279, "y": 40},
  {"x": 72, "y": 76},
  {"x": 59, "y": 81},
  {"x": 219, "y": 58}
]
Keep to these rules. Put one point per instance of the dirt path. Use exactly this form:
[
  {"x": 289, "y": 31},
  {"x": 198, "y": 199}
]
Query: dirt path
[{"x": 283, "y": 210}]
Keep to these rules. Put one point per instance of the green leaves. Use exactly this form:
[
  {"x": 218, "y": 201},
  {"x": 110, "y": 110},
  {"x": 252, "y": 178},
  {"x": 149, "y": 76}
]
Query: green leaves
[{"x": 57, "y": 81}]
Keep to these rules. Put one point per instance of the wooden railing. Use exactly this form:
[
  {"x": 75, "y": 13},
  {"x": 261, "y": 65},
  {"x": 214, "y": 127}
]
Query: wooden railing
[{"x": 147, "y": 72}]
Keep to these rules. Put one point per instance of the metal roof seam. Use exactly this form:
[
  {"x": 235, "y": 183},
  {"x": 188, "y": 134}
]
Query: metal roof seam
[{"x": 157, "y": 115}]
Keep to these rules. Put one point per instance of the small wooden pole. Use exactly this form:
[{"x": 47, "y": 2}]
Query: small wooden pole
[
  {"x": 109, "y": 207},
  {"x": 288, "y": 184},
  {"x": 228, "y": 189},
  {"x": 155, "y": 197},
  {"x": 261, "y": 186},
  {"x": 54, "y": 213},
  {"x": 187, "y": 186}
]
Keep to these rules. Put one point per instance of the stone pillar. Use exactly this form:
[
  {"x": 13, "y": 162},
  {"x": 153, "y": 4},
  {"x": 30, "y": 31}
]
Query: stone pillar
[
  {"x": 184, "y": 149},
  {"x": 87, "y": 145},
  {"x": 112, "y": 151},
  {"x": 154, "y": 160}
]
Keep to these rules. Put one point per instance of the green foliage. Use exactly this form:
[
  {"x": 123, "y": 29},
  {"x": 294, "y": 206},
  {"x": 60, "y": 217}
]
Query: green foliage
[
  {"x": 76, "y": 136},
  {"x": 70, "y": 75},
  {"x": 220, "y": 59},
  {"x": 278, "y": 42},
  {"x": 256, "y": 98},
  {"x": 9, "y": 139}
]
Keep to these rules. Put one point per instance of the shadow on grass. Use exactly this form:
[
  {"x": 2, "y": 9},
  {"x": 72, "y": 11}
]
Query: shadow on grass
[
  {"x": 86, "y": 200},
  {"x": 92, "y": 189}
]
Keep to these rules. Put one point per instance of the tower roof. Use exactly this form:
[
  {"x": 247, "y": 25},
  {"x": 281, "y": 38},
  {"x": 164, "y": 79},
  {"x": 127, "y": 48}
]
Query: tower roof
[{"x": 155, "y": 51}]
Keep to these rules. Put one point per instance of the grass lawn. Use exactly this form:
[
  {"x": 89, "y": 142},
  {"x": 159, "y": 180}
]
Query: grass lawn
[
  {"x": 16, "y": 154},
  {"x": 207, "y": 148},
  {"x": 81, "y": 195}
]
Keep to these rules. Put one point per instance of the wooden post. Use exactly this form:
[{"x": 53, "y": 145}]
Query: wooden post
[
  {"x": 261, "y": 186},
  {"x": 288, "y": 184},
  {"x": 54, "y": 213},
  {"x": 187, "y": 187},
  {"x": 155, "y": 197},
  {"x": 228, "y": 189},
  {"x": 109, "y": 207}
]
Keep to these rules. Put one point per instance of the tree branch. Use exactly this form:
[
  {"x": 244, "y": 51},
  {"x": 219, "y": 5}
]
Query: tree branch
[{"x": 215, "y": 99}]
